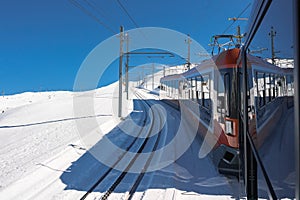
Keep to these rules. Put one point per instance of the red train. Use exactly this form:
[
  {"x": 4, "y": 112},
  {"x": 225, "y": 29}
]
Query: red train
[{"x": 213, "y": 89}]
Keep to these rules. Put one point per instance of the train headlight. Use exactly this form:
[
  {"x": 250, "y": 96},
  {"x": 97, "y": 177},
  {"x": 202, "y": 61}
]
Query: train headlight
[{"x": 229, "y": 127}]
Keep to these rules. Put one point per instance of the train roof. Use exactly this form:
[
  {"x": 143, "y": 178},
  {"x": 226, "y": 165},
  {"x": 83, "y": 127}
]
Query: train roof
[{"x": 226, "y": 59}]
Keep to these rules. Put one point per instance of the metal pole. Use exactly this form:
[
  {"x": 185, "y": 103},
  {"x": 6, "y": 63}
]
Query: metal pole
[
  {"x": 250, "y": 164},
  {"x": 127, "y": 64},
  {"x": 120, "y": 72},
  {"x": 272, "y": 34},
  {"x": 239, "y": 39},
  {"x": 164, "y": 71},
  {"x": 188, "y": 41}
]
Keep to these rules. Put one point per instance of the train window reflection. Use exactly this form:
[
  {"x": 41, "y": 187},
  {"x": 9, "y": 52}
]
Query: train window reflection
[
  {"x": 271, "y": 64},
  {"x": 260, "y": 80}
]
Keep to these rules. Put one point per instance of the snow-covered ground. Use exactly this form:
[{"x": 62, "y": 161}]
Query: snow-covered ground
[
  {"x": 43, "y": 155},
  {"x": 39, "y": 139}
]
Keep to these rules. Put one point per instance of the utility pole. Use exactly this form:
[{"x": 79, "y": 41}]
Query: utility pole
[
  {"x": 127, "y": 63},
  {"x": 272, "y": 34},
  {"x": 238, "y": 31},
  {"x": 120, "y": 72},
  {"x": 188, "y": 41},
  {"x": 239, "y": 37}
]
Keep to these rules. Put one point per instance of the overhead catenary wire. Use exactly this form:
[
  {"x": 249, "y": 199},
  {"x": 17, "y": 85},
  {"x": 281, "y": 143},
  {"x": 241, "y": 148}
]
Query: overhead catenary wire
[
  {"x": 237, "y": 18},
  {"x": 87, "y": 12},
  {"x": 93, "y": 5},
  {"x": 127, "y": 13}
]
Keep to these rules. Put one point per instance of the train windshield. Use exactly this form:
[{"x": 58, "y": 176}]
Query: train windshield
[{"x": 225, "y": 94}]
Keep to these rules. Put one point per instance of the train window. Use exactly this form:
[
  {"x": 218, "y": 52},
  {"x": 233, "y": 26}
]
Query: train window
[
  {"x": 260, "y": 80},
  {"x": 184, "y": 85},
  {"x": 267, "y": 88},
  {"x": 206, "y": 102},
  {"x": 176, "y": 89},
  {"x": 223, "y": 99},
  {"x": 278, "y": 85},
  {"x": 179, "y": 89},
  {"x": 193, "y": 88},
  {"x": 273, "y": 86},
  {"x": 189, "y": 88},
  {"x": 221, "y": 96},
  {"x": 199, "y": 89},
  {"x": 290, "y": 85},
  {"x": 227, "y": 93},
  {"x": 169, "y": 89},
  {"x": 185, "y": 89},
  {"x": 173, "y": 88}
]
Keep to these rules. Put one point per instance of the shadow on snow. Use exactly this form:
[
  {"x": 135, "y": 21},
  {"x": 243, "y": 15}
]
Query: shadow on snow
[{"x": 188, "y": 173}]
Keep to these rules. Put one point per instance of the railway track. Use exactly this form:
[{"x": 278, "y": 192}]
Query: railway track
[{"x": 132, "y": 161}]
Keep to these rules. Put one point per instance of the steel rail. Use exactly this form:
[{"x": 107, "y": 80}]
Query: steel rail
[
  {"x": 132, "y": 161},
  {"x": 93, "y": 187}
]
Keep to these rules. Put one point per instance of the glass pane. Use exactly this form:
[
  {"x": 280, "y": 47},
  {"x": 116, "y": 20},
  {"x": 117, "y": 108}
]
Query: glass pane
[
  {"x": 206, "y": 91},
  {"x": 271, "y": 63}
]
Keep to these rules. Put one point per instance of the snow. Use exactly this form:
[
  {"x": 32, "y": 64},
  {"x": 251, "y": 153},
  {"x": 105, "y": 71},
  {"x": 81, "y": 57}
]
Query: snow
[
  {"x": 36, "y": 129},
  {"x": 43, "y": 156}
]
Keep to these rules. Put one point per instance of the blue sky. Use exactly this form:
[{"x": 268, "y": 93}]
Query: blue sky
[{"x": 43, "y": 43}]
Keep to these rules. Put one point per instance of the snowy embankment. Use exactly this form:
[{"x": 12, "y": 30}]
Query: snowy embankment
[
  {"x": 42, "y": 156},
  {"x": 38, "y": 136}
]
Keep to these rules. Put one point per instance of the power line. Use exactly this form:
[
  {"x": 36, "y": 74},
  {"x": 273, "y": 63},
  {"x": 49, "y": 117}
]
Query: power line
[
  {"x": 127, "y": 13},
  {"x": 97, "y": 9},
  {"x": 236, "y": 18},
  {"x": 83, "y": 9}
]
